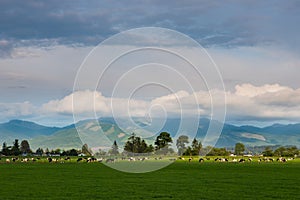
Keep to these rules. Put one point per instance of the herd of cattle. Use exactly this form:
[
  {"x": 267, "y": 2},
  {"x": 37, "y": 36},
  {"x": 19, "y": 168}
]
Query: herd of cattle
[
  {"x": 241, "y": 160},
  {"x": 132, "y": 159}
]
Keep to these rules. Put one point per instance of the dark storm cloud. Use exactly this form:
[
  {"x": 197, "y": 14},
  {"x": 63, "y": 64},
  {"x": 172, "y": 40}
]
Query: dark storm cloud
[{"x": 224, "y": 23}]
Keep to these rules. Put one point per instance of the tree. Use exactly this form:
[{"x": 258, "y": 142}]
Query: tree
[
  {"x": 196, "y": 147},
  {"x": 47, "y": 152},
  {"x": 280, "y": 151},
  {"x": 180, "y": 143},
  {"x": 72, "y": 152},
  {"x": 114, "y": 149},
  {"x": 218, "y": 152},
  {"x": 56, "y": 151},
  {"x": 163, "y": 140},
  {"x": 16, "y": 148},
  {"x": 85, "y": 150},
  {"x": 239, "y": 148},
  {"x": 5, "y": 149},
  {"x": 142, "y": 146},
  {"x": 291, "y": 151},
  {"x": 137, "y": 145},
  {"x": 39, "y": 151},
  {"x": 268, "y": 152},
  {"x": 188, "y": 151},
  {"x": 25, "y": 148},
  {"x": 149, "y": 149},
  {"x": 130, "y": 145}
]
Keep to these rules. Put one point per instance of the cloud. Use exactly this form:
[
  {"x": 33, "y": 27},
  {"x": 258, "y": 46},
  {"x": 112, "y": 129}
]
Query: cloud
[
  {"x": 228, "y": 23},
  {"x": 249, "y": 90},
  {"x": 266, "y": 102},
  {"x": 16, "y": 110},
  {"x": 247, "y": 102},
  {"x": 85, "y": 102}
]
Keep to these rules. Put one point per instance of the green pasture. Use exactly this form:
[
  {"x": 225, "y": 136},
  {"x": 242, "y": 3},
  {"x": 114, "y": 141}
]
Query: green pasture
[{"x": 180, "y": 180}]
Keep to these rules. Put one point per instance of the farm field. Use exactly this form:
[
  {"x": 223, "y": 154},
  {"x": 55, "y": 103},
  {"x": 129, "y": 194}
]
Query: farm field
[{"x": 180, "y": 180}]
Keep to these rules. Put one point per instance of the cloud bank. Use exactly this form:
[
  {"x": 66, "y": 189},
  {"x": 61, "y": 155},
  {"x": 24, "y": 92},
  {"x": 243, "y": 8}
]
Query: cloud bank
[{"x": 246, "y": 102}]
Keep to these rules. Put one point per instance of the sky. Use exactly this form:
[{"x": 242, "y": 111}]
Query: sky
[{"x": 255, "y": 45}]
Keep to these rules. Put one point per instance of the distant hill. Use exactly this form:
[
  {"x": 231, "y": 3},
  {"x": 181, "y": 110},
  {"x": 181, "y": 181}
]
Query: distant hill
[
  {"x": 18, "y": 129},
  {"x": 106, "y": 130}
]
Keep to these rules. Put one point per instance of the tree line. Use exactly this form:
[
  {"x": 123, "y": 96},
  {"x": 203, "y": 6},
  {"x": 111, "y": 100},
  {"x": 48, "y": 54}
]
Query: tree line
[
  {"x": 137, "y": 145},
  {"x": 24, "y": 149}
]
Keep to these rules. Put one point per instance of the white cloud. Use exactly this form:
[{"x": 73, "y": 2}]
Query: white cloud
[
  {"x": 84, "y": 102},
  {"x": 252, "y": 91},
  {"x": 265, "y": 102},
  {"x": 15, "y": 110},
  {"x": 247, "y": 102}
]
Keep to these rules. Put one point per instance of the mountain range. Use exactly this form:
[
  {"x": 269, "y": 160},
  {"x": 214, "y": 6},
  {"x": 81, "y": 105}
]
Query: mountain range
[{"x": 102, "y": 129}]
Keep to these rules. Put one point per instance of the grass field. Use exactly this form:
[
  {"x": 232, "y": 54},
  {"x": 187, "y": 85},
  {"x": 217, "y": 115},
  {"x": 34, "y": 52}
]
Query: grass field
[{"x": 180, "y": 180}]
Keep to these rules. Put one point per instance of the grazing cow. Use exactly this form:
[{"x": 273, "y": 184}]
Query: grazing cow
[
  {"x": 99, "y": 159},
  {"x": 201, "y": 160},
  {"x": 221, "y": 159},
  {"x": 7, "y": 160},
  {"x": 190, "y": 159},
  {"x": 91, "y": 159},
  {"x": 133, "y": 159},
  {"x": 110, "y": 160},
  {"x": 67, "y": 158},
  {"x": 250, "y": 159},
  {"x": 49, "y": 160},
  {"x": 79, "y": 159},
  {"x": 281, "y": 159},
  {"x": 242, "y": 160}
]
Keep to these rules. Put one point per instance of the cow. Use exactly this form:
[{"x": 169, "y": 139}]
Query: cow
[
  {"x": 281, "y": 159},
  {"x": 201, "y": 160},
  {"x": 49, "y": 160},
  {"x": 110, "y": 160}
]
